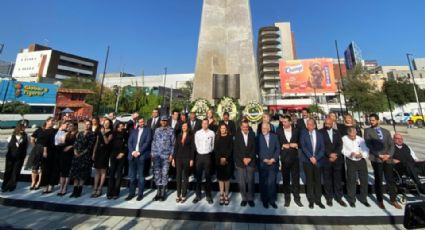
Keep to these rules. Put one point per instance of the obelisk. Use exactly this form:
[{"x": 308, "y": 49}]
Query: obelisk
[{"x": 226, "y": 47}]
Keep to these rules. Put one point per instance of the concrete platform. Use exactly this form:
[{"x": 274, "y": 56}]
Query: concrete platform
[{"x": 168, "y": 209}]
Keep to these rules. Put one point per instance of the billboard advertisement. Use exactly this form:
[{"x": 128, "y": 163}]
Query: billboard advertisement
[
  {"x": 28, "y": 92},
  {"x": 307, "y": 76}
]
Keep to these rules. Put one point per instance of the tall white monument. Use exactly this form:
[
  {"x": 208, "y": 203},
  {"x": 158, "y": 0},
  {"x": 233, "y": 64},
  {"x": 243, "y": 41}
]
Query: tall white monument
[{"x": 226, "y": 48}]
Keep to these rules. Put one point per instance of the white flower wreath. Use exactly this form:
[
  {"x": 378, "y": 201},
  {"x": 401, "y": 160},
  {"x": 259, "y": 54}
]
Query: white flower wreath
[{"x": 227, "y": 104}]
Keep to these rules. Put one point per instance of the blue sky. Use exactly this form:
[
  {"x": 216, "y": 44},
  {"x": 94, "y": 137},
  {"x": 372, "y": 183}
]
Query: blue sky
[{"x": 150, "y": 35}]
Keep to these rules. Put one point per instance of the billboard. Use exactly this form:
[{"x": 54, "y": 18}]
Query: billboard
[
  {"x": 307, "y": 76},
  {"x": 28, "y": 92}
]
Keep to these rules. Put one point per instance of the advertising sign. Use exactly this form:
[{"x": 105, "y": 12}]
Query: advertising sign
[
  {"x": 307, "y": 76},
  {"x": 28, "y": 92}
]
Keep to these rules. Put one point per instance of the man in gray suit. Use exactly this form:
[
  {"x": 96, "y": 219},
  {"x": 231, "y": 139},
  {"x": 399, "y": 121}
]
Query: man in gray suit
[{"x": 381, "y": 147}]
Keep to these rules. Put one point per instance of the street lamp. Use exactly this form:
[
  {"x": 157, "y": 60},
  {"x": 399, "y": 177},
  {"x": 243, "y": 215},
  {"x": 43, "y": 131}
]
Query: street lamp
[
  {"x": 414, "y": 85},
  {"x": 389, "y": 105}
]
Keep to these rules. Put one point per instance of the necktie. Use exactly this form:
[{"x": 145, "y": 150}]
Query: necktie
[
  {"x": 379, "y": 133},
  {"x": 312, "y": 143}
]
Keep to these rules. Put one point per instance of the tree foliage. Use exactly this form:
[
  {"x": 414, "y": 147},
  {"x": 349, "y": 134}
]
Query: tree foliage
[
  {"x": 362, "y": 94},
  {"x": 401, "y": 92},
  {"x": 16, "y": 107}
]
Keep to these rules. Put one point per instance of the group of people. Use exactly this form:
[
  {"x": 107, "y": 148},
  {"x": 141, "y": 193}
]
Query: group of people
[{"x": 182, "y": 145}]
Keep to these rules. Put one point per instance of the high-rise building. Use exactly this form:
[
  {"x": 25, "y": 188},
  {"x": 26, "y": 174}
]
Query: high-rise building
[
  {"x": 274, "y": 43},
  {"x": 225, "y": 63},
  {"x": 353, "y": 56},
  {"x": 39, "y": 63}
]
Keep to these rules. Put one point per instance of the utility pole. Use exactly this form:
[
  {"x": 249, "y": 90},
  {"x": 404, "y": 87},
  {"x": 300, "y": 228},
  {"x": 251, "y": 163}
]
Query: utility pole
[{"x": 103, "y": 80}]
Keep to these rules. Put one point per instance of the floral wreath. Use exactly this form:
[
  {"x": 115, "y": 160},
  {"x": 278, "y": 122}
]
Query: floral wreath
[
  {"x": 200, "y": 107},
  {"x": 228, "y": 104},
  {"x": 253, "y": 111}
]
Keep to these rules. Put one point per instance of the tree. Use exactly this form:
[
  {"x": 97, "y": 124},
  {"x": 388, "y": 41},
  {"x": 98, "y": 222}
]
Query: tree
[
  {"x": 401, "y": 92},
  {"x": 315, "y": 109},
  {"x": 16, "y": 107},
  {"x": 362, "y": 94},
  {"x": 181, "y": 103}
]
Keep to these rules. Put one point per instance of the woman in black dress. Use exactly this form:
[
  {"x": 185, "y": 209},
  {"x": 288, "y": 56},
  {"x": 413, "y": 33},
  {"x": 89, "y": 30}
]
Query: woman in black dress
[
  {"x": 101, "y": 155},
  {"x": 184, "y": 152},
  {"x": 34, "y": 160},
  {"x": 15, "y": 156},
  {"x": 223, "y": 147},
  {"x": 65, "y": 157},
  {"x": 81, "y": 162},
  {"x": 47, "y": 140},
  {"x": 117, "y": 161}
]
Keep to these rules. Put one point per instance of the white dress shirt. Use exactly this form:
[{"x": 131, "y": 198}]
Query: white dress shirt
[
  {"x": 330, "y": 134},
  {"x": 154, "y": 121},
  {"x": 173, "y": 123},
  {"x": 288, "y": 134},
  {"x": 138, "y": 139},
  {"x": 204, "y": 141},
  {"x": 267, "y": 138},
  {"x": 354, "y": 146},
  {"x": 60, "y": 137},
  {"x": 245, "y": 138}
]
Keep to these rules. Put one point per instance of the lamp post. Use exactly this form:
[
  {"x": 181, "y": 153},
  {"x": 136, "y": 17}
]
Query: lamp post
[
  {"x": 389, "y": 105},
  {"x": 414, "y": 85}
]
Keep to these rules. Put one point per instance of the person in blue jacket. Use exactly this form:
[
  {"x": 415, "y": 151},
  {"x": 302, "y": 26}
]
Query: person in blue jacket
[
  {"x": 139, "y": 147},
  {"x": 312, "y": 156},
  {"x": 268, "y": 165}
]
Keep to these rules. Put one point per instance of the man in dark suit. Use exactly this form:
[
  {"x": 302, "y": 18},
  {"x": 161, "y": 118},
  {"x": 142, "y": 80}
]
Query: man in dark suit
[
  {"x": 407, "y": 163},
  {"x": 244, "y": 156},
  {"x": 139, "y": 146},
  {"x": 175, "y": 123},
  {"x": 268, "y": 156},
  {"x": 312, "y": 154},
  {"x": 381, "y": 151},
  {"x": 266, "y": 119},
  {"x": 153, "y": 123},
  {"x": 332, "y": 163},
  {"x": 290, "y": 163},
  {"x": 113, "y": 117},
  {"x": 302, "y": 122},
  {"x": 132, "y": 123},
  {"x": 230, "y": 124},
  {"x": 194, "y": 123}
]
